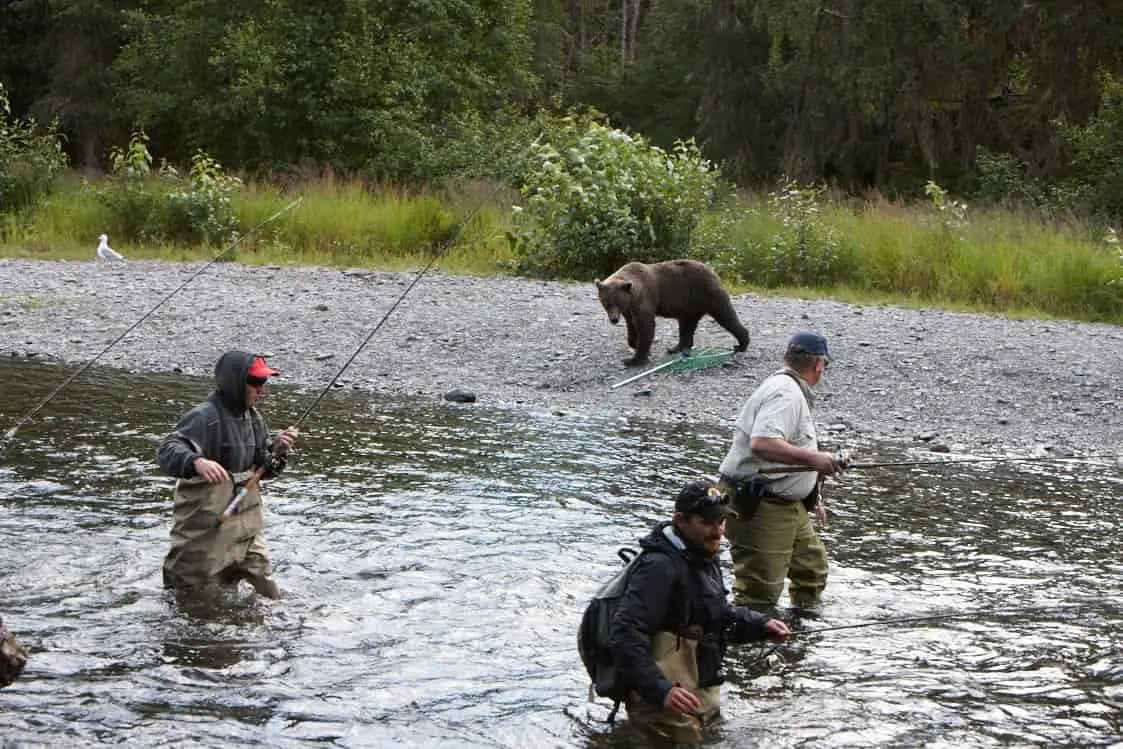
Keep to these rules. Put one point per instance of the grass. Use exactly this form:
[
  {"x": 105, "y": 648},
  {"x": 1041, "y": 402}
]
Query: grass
[{"x": 869, "y": 252}]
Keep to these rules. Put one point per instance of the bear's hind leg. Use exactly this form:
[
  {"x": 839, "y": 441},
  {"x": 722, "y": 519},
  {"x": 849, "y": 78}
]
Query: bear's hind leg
[
  {"x": 686, "y": 328},
  {"x": 727, "y": 318}
]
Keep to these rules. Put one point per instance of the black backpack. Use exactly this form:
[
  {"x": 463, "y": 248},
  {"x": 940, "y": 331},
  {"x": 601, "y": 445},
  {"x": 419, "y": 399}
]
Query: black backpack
[
  {"x": 596, "y": 629},
  {"x": 595, "y": 633}
]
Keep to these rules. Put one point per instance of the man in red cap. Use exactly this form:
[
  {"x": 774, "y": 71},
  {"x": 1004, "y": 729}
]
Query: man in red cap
[{"x": 216, "y": 448}]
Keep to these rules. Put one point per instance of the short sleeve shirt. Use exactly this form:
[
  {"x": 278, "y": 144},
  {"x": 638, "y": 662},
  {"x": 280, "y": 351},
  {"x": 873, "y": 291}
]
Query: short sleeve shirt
[{"x": 779, "y": 409}]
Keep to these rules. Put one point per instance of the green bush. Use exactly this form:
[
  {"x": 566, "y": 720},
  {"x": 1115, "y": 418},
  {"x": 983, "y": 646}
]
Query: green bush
[
  {"x": 595, "y": 198},
  {"x": 783, "y": 242},
  {"x": 164, "y": 207},
  {"x": 31, "y": 159},
  {"x": 200, "y": 210}
]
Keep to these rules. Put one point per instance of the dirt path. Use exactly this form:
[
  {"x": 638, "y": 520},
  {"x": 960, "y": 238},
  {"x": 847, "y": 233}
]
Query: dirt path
[{"x": 968, "y": 381}]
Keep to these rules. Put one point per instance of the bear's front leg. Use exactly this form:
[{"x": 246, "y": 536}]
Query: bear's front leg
[
  {"x": 644, "y": 326},
  {"x": 631, "y": 333}
]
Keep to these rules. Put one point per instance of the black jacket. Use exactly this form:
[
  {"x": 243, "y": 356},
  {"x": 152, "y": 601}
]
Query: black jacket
[
  {"x": 669, "y": 590},
  {"x": 220, "y": 428}
]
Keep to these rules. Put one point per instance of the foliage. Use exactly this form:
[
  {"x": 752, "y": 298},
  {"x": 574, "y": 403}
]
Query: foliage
[
  {"x": 31, "y": 159},
  {"x": 285, "y": 86},
  {"x": 1095, "y": 179},
  {"x": 154, "y": 207},
  {"x": 806, "y": 251},
  {"x": 199, "y": 210},
  {"x": 595, "y": 197}
]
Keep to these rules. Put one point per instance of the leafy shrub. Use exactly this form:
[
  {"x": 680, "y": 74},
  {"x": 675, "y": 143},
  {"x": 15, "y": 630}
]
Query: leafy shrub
[
  {"x": 200, "y": 210},
  {"x": 805, "y": 251},
  {"x": 163, "y": 206},
  {"x": 595, "y": 198},
  {"x": 31, "y": 159}
]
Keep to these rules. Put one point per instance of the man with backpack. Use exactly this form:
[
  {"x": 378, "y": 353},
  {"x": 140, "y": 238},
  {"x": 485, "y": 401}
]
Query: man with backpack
[{"x": 670, "y": 629}]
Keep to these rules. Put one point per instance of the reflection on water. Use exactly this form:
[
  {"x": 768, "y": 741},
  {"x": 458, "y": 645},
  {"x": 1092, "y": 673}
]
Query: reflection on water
[{"x": 436, "y": 560}]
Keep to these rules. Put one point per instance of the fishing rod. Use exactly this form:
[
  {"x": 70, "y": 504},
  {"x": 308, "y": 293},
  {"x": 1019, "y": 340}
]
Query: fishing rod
[
  {"x": 934, "y": 617},
  {"x": 446, "y": 243},
  {"x": 950, "y": 461},
  {"x": 229, "y": 248}
]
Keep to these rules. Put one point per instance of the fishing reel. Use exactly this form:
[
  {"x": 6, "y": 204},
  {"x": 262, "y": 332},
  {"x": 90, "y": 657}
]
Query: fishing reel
[
  {"x": 843, "y": 458},
  {"x": 275, "y": 463}
]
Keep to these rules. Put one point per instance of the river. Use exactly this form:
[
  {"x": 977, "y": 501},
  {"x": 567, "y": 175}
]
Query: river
[{"x": 436, "y": 559}]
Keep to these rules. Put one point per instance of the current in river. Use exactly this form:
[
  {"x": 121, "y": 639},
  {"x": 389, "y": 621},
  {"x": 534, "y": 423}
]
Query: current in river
[{"x": 436, "y": 559}]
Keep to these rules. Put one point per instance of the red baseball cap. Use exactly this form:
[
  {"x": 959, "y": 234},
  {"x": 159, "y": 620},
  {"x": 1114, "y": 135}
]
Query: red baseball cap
[{"x": 258, "y": 368}]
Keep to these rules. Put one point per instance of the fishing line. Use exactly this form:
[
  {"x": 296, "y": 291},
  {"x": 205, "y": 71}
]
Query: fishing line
[
  {"x": 939, "y": 617},
  {"x": 445, "y": 244},
  {"x": 1117, "y": 458},
  {"x": 769, "y": 649},
  {"x": 50, "y": 396}
]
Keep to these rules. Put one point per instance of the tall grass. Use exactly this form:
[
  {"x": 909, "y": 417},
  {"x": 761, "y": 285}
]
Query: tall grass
[{"x": 995, "y": 260}]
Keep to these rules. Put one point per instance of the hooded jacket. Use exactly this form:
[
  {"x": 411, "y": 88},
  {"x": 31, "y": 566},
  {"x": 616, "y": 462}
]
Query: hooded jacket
[
  {"x": 221, "y": 428},
  {"x": 676, "y": 590}
]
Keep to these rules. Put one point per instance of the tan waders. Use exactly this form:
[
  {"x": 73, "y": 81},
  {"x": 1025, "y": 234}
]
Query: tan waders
[
  {"x": 677, "y": 659},
  {"x": 204, "y": 552},
  {"x": 775, "y": 542}
]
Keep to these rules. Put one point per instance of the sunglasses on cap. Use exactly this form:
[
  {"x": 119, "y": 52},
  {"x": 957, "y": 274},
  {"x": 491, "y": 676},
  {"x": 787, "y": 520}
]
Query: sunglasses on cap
[
  {"x": 257, "y": 382},
  {"x": 699, "y": 502}
]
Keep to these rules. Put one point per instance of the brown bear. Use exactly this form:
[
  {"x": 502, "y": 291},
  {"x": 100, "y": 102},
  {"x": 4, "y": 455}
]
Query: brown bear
[{"x": 683, "y": 289}]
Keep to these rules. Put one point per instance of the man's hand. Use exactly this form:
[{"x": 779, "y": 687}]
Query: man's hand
[
  {"x": 680, "y": 700},
  {"x": 285, "y": 440},
  {"x": 776, "y": 631},
  {"x": 210, "y": 471},
  {"x": 827, "y": 464},
  {"x": 821, "y": 513}
]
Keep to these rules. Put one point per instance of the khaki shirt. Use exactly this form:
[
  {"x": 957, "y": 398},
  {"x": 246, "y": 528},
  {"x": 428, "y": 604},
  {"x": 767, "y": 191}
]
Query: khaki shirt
[{"x": 779, "y": 409}]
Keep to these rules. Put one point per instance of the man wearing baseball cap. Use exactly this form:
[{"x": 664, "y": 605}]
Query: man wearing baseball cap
[
  {"x": 773, "y": 538},
  {"x": 669, "y": 634},
  {"x": 216, "y": 448}
]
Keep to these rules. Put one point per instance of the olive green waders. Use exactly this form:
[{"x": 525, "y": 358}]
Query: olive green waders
[
  {"x": 677, "y": 659},
  {"x": 774, "y": 542},
  {"x": 204, "y": 552}
]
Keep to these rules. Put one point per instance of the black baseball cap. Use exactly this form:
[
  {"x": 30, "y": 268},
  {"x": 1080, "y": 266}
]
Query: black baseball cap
[{"x": 702, "y": 497}]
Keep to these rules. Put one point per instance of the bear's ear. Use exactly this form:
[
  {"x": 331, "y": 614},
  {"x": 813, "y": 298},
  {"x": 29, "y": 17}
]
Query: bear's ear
[{"x": 598, "y": 283}]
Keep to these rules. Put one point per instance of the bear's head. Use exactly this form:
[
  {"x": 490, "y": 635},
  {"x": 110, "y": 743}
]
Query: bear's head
[{"x": 615, "y": 296}]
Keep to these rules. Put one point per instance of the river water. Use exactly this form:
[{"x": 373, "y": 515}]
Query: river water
[{"x": 436, "y": 559}]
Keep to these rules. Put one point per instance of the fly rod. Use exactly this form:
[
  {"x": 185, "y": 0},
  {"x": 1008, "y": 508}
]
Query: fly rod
[
  {"x": 950, "y": 461},
  {"x": 226, "y": 250},
  {"x": 933, "y": 618},
  {"x": 445, "y": 244}
]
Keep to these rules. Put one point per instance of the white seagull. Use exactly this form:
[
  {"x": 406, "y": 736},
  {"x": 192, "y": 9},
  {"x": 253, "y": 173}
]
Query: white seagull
[{"x": 104, "y": 251}]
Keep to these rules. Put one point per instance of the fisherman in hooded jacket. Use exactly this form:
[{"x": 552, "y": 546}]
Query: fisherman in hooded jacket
[
  {"x": 213, "y": 451},
  {"x": 674, "y": 620}
]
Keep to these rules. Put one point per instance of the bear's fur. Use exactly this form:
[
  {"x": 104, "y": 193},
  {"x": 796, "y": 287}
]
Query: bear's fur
[{"x": 683, "y": 289}]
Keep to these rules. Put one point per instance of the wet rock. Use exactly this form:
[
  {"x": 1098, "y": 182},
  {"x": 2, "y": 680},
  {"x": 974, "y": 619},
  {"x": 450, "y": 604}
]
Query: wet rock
[
  {"x": 939, "y": 447},
  {"x": 925, "y": 437},
  {"x": 645, "y": 391},
  {"x": 324, "y": 357},
  {"x": 460, "y": 395},
  {"x": 321, "y": 307}
]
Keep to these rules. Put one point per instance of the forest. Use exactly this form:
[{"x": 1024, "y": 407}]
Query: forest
[
  {"x": 1005, "y": 99},
  {"x": 1014, "y": 106}
]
